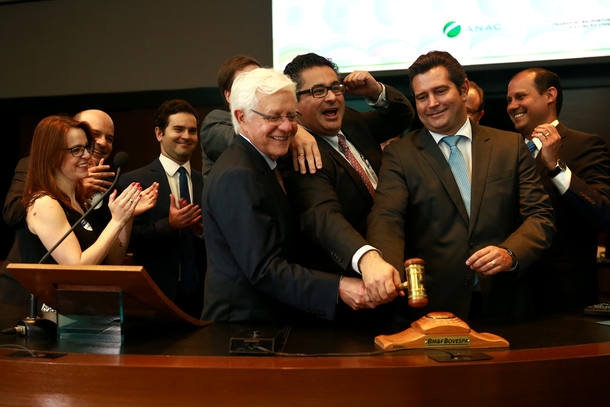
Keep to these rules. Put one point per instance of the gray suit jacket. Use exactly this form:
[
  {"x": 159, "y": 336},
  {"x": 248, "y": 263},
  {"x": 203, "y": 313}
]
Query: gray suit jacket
[{"x": 419, "y": 212}]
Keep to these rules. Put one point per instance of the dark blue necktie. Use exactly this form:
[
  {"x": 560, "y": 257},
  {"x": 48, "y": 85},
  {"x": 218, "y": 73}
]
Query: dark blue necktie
[
  {"x": 184, "y": 185},
  {"x": 188, "y": 267},
  {"x": 532, "y": 147},
  {"x": 458, "y": 167}
]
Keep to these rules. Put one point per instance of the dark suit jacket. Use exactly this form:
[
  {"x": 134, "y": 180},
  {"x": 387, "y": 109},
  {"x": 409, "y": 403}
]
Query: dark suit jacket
[
  {"x": 567, "y": 274},
  {"x": 333, "y": 203},
  {"x": 155, "y": 245},
  {"x": 419, "y": 212},
  {"x": 250, "y": 238}
]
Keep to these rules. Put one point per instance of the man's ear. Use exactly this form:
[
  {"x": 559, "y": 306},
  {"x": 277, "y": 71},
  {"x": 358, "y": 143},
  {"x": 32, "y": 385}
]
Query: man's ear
[
  {"x": 464, "y": 89},
  {"x": 158, "y": 133},
  {"x": 240, "y": 116},
  {"x": 551, "y": 94}
]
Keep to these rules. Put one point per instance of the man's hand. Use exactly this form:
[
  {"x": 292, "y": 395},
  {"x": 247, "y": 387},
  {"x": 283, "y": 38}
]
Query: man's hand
[
  {"x": 184, "y": 217},
  {"x": 551, "y": 142},
  {"x": 380, "y": 278},
  {"x": 490, "y": 260},
  {"x": 148, "y": 199},
  {"x": 353, "y": 293},
  {"x": 305, "y": 152},
  {"x": 98, "y": 179},
  {"x": 362, "y": 83}
]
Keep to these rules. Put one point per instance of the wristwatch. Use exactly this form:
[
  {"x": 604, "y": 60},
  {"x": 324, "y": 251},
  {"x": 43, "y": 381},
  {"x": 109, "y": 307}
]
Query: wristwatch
[
  {"x": 559, "y": 167},
  {"x": 512, "y": 256}
]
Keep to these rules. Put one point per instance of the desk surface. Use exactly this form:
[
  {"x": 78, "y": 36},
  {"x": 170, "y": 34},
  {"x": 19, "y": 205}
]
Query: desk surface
[{"x": 562, "y": 360}]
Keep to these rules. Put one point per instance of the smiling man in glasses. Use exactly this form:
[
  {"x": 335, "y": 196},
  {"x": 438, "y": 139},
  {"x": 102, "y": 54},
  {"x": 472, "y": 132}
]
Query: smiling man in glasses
[{"x": 334, "y": 202}]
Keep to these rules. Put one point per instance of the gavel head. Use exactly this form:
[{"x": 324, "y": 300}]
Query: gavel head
[{"x": 414, "y": 274}]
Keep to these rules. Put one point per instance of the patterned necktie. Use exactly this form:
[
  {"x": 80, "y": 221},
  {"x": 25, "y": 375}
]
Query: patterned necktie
[
  {"x": 458, "y": 167},
  {"x": 532, "y": 147},
  {"x": 355, "y": 164},
  {"x": 184, "y": 185}
]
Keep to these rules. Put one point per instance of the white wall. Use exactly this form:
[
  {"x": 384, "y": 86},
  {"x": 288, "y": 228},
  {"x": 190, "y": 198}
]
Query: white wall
[{"x": 68, "y": 47}]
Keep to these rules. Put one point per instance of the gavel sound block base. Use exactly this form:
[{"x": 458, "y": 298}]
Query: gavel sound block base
[{"x": 440, "y": 330}]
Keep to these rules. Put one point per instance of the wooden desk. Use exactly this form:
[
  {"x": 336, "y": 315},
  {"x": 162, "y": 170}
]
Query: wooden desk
[{"x": 563, "y": 361}]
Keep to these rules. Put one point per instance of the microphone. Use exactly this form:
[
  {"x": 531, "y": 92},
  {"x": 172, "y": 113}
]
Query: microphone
[
  {"x": 414, "y": 284},
  {"x": 120, "y": 160}
]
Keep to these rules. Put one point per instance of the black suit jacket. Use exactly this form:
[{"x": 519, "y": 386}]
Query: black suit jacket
[
  {"x": 333, "y": 203},
  {"x": 155, "y": 245},
  {"x": 251, "y": 243},
  {"x": 419, "y": 212},
  {"x": 567, "y": 275}
]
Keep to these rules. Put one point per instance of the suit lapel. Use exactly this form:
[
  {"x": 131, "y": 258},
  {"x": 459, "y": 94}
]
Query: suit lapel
[
  {"x": 338, "y": 157},
  {"x": 481, "y": 160},
  {"x": 434, "y": 157}
]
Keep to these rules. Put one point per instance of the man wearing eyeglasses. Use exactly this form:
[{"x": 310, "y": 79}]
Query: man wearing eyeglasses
[
  {"x": 334, "y": 202},
  {"x": 250, "y": 232}
]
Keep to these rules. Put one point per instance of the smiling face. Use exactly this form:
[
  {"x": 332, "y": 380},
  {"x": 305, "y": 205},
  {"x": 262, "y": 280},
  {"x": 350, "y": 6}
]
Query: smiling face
[
  {"x": 179, "y": 138},
  {"x": 75, "y": 168},
  {"x": 102, "y": 129},
  {"x": 441, "y": 106},
  {"x": 526, "y": 107},
  {"x": 320, "y": 115},
  {"x": 272, "y": 139}
]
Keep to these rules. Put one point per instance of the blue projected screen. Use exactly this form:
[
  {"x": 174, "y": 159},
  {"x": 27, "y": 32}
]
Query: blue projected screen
[{"x": 380, "y": 35}]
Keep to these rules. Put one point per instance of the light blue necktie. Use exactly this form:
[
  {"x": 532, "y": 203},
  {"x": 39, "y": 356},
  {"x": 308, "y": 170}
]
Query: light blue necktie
[
  {"x": 458, "y": 167},
  {"x": 532, "y": 147}
]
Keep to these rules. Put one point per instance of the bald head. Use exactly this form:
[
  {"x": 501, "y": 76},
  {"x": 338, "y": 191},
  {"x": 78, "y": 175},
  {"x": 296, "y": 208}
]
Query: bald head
[{"x": 103, "y": 132}]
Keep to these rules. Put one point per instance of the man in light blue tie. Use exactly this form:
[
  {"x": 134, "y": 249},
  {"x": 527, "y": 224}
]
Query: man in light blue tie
[{"x": 465, "y": 198}]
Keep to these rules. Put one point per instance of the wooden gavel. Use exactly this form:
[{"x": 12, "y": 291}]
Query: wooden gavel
[{"x": 414, "y": 284}]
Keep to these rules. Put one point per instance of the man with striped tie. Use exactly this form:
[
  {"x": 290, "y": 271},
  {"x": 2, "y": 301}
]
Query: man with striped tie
[{"x": 334, "y": 202}]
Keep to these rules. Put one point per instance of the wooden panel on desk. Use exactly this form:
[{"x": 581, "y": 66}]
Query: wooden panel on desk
[{"x": 141, "y": 296}]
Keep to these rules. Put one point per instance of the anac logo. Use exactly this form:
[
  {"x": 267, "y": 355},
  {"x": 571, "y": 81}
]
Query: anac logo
[{"x": 452, "y": 29}]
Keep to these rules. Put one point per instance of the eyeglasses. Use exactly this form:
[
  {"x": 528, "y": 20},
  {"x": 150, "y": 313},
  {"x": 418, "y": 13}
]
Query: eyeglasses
[
  {"x": 277, "y": 119},
  {"x": 320, "y": 91},
  {"x": 79, "y": 151}
]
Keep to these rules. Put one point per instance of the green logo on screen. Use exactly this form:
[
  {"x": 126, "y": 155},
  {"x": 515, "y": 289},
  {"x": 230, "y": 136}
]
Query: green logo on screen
[{"x": 452, "y": 29}]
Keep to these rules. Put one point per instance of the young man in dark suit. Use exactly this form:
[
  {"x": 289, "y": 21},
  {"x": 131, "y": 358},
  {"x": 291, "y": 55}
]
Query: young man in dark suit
[
  {"x": 479, "y": 225},
  {"x": 575, "y": 170},
  {"x": 167, "y": 240},
  {"x": 250, "y": 231}
]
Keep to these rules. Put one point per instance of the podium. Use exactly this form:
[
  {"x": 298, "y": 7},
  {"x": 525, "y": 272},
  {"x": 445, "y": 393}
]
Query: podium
[{"x": 93, "y": 302}]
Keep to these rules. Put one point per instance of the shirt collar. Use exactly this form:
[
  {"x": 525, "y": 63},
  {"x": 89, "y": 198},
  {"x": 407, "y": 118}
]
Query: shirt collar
[
  {"x": 271, "y": 163},
  {"x": 170, "y": 166},
  {"x": 465, "y": 130}
]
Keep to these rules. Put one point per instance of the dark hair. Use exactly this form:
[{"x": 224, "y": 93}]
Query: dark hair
[
  {"x": 46, "y": 156},
  {"x": 432, "y": 59},
  {"x": 479, "y": 90},
  {"x": 171, "y": 107},
  {"x": 226, "y": 72},
  {"x": 306, "y": 61},
  {"x": 544, "y": 79}
]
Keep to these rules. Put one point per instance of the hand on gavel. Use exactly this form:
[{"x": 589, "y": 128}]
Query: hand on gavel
[{"x": 414, "y": 284}]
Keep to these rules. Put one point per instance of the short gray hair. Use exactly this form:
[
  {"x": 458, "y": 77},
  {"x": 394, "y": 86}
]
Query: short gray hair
[{"x": 248, "y": 85}]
